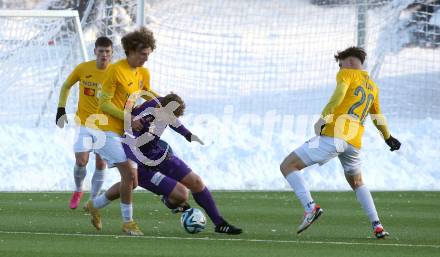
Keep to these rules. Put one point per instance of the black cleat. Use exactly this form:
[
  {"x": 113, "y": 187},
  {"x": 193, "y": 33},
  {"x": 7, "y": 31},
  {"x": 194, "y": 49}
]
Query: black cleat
[{"x": 227, "y": 228}]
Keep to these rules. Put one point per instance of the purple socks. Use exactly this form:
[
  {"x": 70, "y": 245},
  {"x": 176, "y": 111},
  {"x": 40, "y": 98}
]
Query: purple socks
[{"x": 205, "y": 200}]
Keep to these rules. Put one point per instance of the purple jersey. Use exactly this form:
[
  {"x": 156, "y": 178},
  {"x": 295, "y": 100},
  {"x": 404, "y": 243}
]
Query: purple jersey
[{"x": 153, "y": 127}]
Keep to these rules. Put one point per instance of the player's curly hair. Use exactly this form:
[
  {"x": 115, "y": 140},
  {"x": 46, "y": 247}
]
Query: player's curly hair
[
  {"x": 174, "y": 97},
  {"x": 137, "y": 40},
  {"x": 353, "y": 51}
]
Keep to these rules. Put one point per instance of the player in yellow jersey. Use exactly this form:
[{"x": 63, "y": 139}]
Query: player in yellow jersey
[
  {"x": 124, "y": 79},
  {"x": 90, "y": 76},
  {"x": 339, "y": 132}
]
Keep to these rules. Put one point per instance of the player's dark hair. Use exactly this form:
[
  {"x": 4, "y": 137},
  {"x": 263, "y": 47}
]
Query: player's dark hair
[
  {"x": 174, "y": 97},
  {"x": 104, "y": 42},
  {"x": 137, "y": 40},
  {"x": 353, "y": 51}
]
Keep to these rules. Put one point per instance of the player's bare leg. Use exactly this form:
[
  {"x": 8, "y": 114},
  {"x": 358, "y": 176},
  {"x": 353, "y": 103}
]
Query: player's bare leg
[{"x": 177, "y": 200}]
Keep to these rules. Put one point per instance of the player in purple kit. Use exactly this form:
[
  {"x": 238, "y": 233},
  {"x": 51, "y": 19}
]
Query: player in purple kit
[{"x": 160, "y": 171}]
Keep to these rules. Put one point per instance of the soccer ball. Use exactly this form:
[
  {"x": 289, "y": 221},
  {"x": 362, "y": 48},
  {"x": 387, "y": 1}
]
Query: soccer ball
[{"x": 193, "y": 220}]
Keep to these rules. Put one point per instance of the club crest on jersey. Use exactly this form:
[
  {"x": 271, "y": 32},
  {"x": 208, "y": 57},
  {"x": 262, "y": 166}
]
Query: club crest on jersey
[{"x": 130, "y": 83}]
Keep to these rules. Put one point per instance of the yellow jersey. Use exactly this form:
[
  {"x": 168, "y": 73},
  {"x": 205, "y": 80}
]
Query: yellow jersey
[
  {"x": 356, "y": 96},
  {"x": 90, "y": 80},
  {"x": 121, "y": 83}
]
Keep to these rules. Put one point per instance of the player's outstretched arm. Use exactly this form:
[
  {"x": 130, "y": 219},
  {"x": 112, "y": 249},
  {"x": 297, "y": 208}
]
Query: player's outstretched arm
[
  {"x": 182, "y": 130},
  {"x": 192, "y": 138},
  {"x": 381, "y": 124}
]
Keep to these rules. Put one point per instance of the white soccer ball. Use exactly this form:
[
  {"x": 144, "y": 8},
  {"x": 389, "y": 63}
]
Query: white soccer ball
[{"x": 193, "y": 220}]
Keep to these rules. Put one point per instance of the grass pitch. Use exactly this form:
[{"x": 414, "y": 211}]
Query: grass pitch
[{"x": 41, "y": 224}]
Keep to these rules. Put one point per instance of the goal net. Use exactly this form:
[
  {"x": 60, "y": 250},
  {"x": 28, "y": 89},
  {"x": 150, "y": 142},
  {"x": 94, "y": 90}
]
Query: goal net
[
  {"x": 255, "y": 74},
  {"x": 38, "y": 49},
  {"x": 258, "y": 56}
]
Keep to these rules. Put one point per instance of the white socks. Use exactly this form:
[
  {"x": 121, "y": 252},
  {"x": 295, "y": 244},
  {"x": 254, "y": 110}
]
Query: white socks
[
  {"x": 364, "y": 197},
  {"x": 97, "y": 181},
  {"x": 79, "y": 173},
  {"x": 126, "y": 209},
  {"x": 299, "y": 186},
  {"x": 127, "y": 212},
  {"x": 100, "y": 201}
]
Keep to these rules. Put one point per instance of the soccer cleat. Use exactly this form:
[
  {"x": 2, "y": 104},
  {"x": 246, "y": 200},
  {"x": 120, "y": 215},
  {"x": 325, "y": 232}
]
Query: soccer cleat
[
  {"x": 309, "y": 218},
  {"x": 132, "y": 229},
  {"x": 227, "y": 228},
  {"x": 379, "y": 232},
  {"x": 95, "y": 216},
  {"x": 75, "y": 199}
]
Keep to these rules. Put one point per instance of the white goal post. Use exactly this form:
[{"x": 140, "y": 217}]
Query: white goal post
[
  {"x": 48, "y": 14},
  {"x": 38, "y": 48}
]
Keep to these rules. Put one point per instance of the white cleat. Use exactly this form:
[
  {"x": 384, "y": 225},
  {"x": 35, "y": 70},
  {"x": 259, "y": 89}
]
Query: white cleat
[{"x": 309, "y": 218}]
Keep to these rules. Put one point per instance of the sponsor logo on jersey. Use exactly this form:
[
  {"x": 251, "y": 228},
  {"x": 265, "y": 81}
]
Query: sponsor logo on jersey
[
  {"x": 89, "y": 83},
  {"x": 89, "y": 91}
]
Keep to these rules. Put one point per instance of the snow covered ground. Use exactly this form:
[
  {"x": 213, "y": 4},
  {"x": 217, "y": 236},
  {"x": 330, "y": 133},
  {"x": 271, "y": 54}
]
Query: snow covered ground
[{"x": 234, "y": 157}]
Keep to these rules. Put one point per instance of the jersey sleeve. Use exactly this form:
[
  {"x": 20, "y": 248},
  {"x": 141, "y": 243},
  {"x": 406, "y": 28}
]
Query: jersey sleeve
[
  {"x": 67, "y": 85},
  {"x": 108, "y": 92},
  {"x": 343, "y": 80},
  {"x": 179, "y": 128},
  {"x": 378, "y": 118}
]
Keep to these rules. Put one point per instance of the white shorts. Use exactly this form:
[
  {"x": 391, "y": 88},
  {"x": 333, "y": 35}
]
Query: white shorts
[
  {"x": 85, "y": 140},
  {"x": 321, "y": 149},
  {"x": 112, "y": 151}
]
